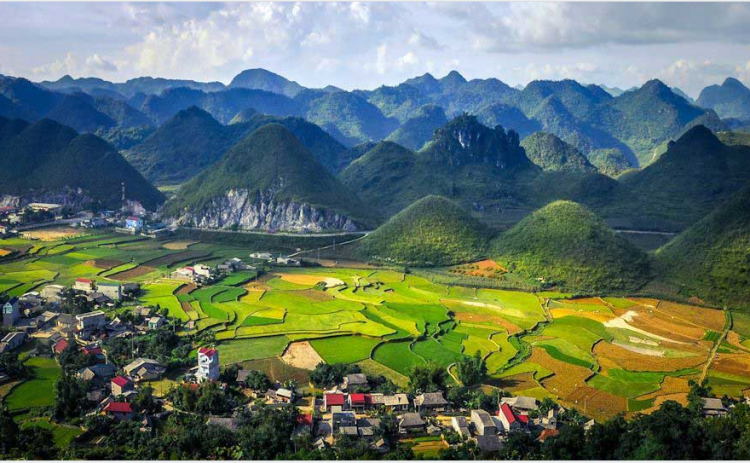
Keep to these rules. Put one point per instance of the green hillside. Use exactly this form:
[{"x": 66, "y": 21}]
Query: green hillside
[
  {"x": 687, "y": 182},
  {"x": 271, "y": 165},
  {"x": 418, "y": 130},
  {"x": 350, "y": 118},
  {"x": 552, "y": 154},
  {"x": 260, "y": 79},
  {"x": 611, "y": 161},
  {"x": 182, "y": 147},
  {"x": 710, "y": 259},
  {"x": 432, "y": 231},
  {"x": 568, "y": 245},
  {"x": 734, "y": 138},
  {"x": 509, "y": 117},
  {"x": 46, "y": 159}
]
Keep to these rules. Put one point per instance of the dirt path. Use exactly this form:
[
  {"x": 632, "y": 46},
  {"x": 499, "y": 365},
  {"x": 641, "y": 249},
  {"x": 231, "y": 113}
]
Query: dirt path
[{"x": 712, "y": 355}]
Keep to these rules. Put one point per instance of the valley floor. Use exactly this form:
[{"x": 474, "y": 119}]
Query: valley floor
[{"x": 601, "y": 355}]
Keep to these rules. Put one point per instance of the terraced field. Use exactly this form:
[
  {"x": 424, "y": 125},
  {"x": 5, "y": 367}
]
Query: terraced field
[{"x": 600, "y": 355}]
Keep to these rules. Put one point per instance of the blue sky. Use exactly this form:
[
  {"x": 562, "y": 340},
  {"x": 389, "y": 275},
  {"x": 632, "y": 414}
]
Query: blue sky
[{"x": 364, "y": 45}]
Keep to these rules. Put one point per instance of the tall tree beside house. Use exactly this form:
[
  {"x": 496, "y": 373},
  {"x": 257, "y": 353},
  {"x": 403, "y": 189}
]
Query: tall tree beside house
[
  {"x": 427, "y": 378},
  {"x": 471, "y": 370}
]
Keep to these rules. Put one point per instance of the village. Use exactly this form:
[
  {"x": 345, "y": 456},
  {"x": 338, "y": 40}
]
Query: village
[{"x": 353, "y": 408}]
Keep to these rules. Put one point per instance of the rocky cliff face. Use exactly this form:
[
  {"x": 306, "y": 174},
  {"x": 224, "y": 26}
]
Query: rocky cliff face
[
  {"x": 250, "y": 211},
  {"x": 73, "y": 198}
]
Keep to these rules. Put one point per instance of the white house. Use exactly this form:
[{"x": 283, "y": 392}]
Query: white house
[
  {"x": 483, "y": 423},
  {"x": 208, "y": 364},
  {"x": 91, "y": 321},
  {"x": 111, "y": 290},
  {"x": 84, "y": 284},
  {"x": 10, "y": 312}
]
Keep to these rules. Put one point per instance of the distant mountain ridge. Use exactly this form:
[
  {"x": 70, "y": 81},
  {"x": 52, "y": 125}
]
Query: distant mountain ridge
[{"x": 731, "y": 99}]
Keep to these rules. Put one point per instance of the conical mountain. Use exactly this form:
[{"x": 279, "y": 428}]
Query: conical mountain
[
  {"x": 432, "y": 231},
  {"x": 687, "y": 182},
  {"x": 183, "y": 146},
  {"x": 418, "y": 130},
  {"x": 567, "y": 245},
  {"x": 731, "y": 99},
  {"x": 552, "y": 154},
  {"x": 261, "y": 79},
  {"x": 48, "y": 162},
  {"x": 269, "y": 181},
  {"x": 711, "y": 259}
]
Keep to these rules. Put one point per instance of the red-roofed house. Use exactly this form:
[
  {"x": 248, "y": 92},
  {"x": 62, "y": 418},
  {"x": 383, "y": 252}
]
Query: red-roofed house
[
  {"x": 509, "y": 419},
  {"x": 304, "y": 424},
  {"x": 119, "y": 410},
  {"x": 334, "y": 402},
  {"x": 84, "y": 284},
  {"x": 360, "y": 402},
  {"x": 60, "y": 346},
  {"x": 121, "y": 385}
]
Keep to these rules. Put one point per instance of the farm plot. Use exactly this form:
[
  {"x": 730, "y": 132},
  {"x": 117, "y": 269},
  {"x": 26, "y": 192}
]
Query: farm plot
[
  {"x": 397, "y": 356},
  {"x": 39, "y": 391},
  {"x": 345, "y": 349},
  {"x": 239, "y": 350}
]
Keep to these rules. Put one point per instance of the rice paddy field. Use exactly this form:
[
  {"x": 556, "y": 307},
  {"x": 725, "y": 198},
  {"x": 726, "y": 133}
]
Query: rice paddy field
[{"x": 602, "y": 356}]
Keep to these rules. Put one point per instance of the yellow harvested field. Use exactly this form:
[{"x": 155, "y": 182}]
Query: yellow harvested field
[
  {"x": 567, "y": 377},
  {"x": 306, "y": 279},
  {"x": 671, "y": 385},
  {"x": 733, "y": 364},
  {"x": 519, "y": 382},
  {"x": 4, "y": 252},
  {"x": 51, "y": 234},
  {"x": 178, "y": 245},
  {"x": 633, "y": 361},
  {"x": 710, "y": 319},
  {"x": 597, "y": 404},
  {"x": 734, "y": 339},
  {"x": 301, "y": 355}
]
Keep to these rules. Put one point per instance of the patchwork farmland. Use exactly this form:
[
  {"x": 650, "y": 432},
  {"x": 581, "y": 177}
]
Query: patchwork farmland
[{"x": 600, "y": 355}]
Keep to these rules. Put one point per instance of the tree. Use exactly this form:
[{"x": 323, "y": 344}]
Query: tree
[
  {"x": 9, "y": 432},
  {"x": 427, "y": 378},
  {"x": 258, "y": 381},
  {"x": 567, "y": 445},
  {"x": 471, "y": 370},
  {"x": 328, "y": 375},
  {"x": 145, "y": 401},
  {"x": 70, "y": 396}
]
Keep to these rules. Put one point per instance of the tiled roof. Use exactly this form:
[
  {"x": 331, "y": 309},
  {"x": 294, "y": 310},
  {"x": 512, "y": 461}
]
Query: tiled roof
[
  {"x": 508, "y": 413},
  {"x": 208, "y": 352},
  {"x": 121, "y": 381},
  {"x": 334, "y": 399},
  {"x": 118, "y": 407}
]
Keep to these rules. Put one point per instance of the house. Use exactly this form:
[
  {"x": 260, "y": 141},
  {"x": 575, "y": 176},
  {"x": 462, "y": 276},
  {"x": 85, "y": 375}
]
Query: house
[
  {"x": 54, "y": 294},
  {"x": 60, "y": 346},
  {"x": 489, "y": 443},
  {"x": 359, "y": 402},
  {"x": 144, "y": 369},
  {"x": 285, "y": 395},
  {"x": 203, "y": 271},
  {"x": 98, "y": 298},
  {"x": 111, "y": 290},
  {"x": 11, "y": 312},
  {"x": 549, "y": 421},
  {"x": 208, "y": 364},
  {"x": 100, "y": 372},
  {"x": 12, "y": 341},
  {"x": 261, "y": 255},
  {"x": 85, "y": 285},
  {"x": 354, "y": 380},
  {"x": 230, "y": 424},
  {"x": 184, "y": 274},
  {"x": 45, "y": 318},
  {"x": 334, "y": 402},
  {"x": 483, "y": 423},
  {"x": 546, "y": 434},
  {"x": 343, "y": 420},
  {"x": 45, "y": 207},
  {"x": 431, "y": 402},
  {"x": 287, "y": 262},
  {"x": 121, "y": 384},
  {"x": 242, "y": 377},
  {"x": 411, "y": 422},
  {"x": 714, "y": 407},
  {"x": 65, "y": 321},
  {"x": 94, "y": 351},
  {"x": 305, "y": 424},
  {"x": 91, "y": 321},
  {"x": 155, "y": 322},
  {"x": 144, "y": 312},
  {"x": 134, "y": 222},
  {"x": 520, "y": 403},
  {"x": 367, "y": 427},
  {"x": 510, "y": 421},
  {"x": 397, "y": 402},
  {"x": 461, "y": 425},
  {"x": 119, "y": 410},
  {"x": 380, "y": 446}
]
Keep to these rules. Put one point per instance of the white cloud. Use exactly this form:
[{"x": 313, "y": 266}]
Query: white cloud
[{"x": 93, "y": 65}]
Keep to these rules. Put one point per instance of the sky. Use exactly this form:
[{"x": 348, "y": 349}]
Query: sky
[{"x": 365, "y": 45}]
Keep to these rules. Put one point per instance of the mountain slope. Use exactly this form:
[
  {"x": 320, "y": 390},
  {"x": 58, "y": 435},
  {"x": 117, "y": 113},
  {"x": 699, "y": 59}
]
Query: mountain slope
[
  {"x": 552, "y": 154},
  {"x": 731, "y": 99},
  {"x": 268, "y": 181},
  {"x": 685, "y": 183},
  {"x": 710, "y": 259},
  {"x": 418, "y": 130},
  {"x": 183, "y": 146},
  {"x": 432, "y": 231},
  {"x": 611, "y": 162},
  {"x": 349, "y": 118},
  {"x": 568, "y": 245},
  {"x": 465, "y": 161},
  {"x": 509, "y": 117},
  {"x": 46, "y": 161}
]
